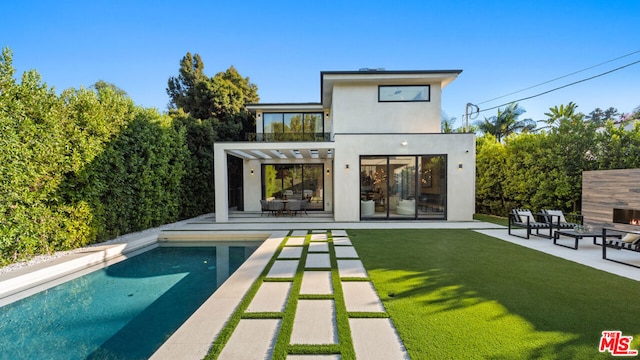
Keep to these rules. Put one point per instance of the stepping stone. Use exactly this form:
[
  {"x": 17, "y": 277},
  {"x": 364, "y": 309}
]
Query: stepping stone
[
  {"x": 313, "y": 357},
  {"x": 271, "y": 297},
  {"x": 346, "y": 252},
  {"x": 338, "y": 233},
  {"x": 283, "y": 269},
  {"x": 290, "y": 253},
  {"x": 361, "y": 296},
  {"x": 342, "y": 241},
  {"x": 299, "y": 233},
  {"x": 351, "y": 268},
  {"x": 376, "y": 339},
  {"x": 319, "y": 237},
  {"x": 262, "y": 332},
  {"x": 318, "y": 247},
  {"x": 317, "y": 283},
  {"x": 295, "y": 241},
  {"x": 318, "y": 261},
  {"x": 319, "y": 231},
  {"x": 315, "y": 323}
]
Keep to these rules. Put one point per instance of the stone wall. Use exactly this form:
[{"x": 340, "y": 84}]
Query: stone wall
[{"x": 604, "y": 190}]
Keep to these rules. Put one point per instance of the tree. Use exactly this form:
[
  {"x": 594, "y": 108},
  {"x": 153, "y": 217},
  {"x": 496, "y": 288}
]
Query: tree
[
  {"x": 446, "y": 123},
  {"x": 558, "y": 114},
  {"x": 506, "y": 122},
  {"x": 222, "y": 96},
  {"x": 599, "y": 117}
]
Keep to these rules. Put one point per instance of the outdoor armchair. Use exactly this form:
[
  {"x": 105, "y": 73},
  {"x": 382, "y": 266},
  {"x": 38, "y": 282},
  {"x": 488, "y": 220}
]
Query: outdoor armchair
[
  {"x": 524, "y": 219},
  {"x": 559, "y": 220}
]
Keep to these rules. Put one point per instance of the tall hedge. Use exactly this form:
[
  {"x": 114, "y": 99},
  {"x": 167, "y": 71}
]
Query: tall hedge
[
  {"x": 82, "y": 166},
  {"x": 544, "y": 170}
]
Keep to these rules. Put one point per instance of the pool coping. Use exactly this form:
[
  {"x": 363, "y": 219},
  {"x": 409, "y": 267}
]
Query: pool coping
[{"x": 196, "y": 335}]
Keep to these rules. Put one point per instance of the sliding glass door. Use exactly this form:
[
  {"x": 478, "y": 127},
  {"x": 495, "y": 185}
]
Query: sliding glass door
[
  {"x": 294, "y": 181},
  {"x": 403, "y": 187}
]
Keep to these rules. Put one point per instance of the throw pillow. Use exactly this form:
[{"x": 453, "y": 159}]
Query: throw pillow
[
  {"x": 523, "y": 216},
  {"x": 556, "y": 214},
  {"x": 629, "y": 238}
]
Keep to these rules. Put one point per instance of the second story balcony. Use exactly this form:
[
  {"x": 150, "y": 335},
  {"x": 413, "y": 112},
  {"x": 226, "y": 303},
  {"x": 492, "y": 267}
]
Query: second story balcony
[{"x": 289, "y": 137}]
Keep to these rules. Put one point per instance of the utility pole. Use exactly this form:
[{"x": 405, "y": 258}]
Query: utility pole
[{"x": 470, "y": 110}]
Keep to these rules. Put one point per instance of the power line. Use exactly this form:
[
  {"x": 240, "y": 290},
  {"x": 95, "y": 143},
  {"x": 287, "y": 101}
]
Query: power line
[
  {"x": 563, "y": 86},
  {"x": 558, "y": 78}
]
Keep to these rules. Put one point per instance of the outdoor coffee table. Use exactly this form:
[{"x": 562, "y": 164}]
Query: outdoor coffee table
[{"x": 578, "y": 236}]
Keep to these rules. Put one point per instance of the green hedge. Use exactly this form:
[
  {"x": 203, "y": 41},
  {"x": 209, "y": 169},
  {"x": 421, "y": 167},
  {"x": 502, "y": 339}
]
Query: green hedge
[{"x": 82, "y": 166}]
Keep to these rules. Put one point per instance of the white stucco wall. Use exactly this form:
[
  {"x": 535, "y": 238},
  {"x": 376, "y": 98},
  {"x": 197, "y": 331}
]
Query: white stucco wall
[
  {"x": 459, "y": 148},
  {"x": 355, "y": 109}
]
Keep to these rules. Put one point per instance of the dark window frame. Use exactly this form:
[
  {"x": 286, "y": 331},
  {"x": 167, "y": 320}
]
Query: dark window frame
[{"x": 400, "y": 86}]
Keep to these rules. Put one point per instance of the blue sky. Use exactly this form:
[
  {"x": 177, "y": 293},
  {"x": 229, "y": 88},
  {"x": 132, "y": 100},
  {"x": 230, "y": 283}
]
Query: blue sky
[{"x": 501, "y": 46}]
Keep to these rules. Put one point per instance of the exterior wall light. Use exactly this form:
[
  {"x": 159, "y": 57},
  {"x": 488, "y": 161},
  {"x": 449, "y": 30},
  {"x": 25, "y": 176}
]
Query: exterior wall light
[
  {"x": 328, "y": 171},
  {"x": 251, "y": 172},
  {"x": 459, "y": 166},
  {"x": 346, "y": 166},
  {"x": 404, "y": 143}
]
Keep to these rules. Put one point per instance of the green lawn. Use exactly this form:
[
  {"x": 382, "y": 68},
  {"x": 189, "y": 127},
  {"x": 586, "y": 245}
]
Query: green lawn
[{"x": 457, "y": 294}]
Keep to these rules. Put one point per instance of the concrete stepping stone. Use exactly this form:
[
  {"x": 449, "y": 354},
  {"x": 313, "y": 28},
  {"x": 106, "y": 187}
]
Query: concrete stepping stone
[
  {"x": 318, "y": 231},
  {"x": 351, "y": 268},
  {"x": 342, "y": 241},
  {"x": 318, "y": 261},
  {"x": 315, "y": 323},
  {"x": 346, "y": 252},
  {"x": 338, "y": 233},
  {"x": 313, "y": 357},
  {"x": 316, "y": 283},
  {"x": 319, "y": 237},
  {"x": 299, "y": 233},
  {"x": 376, "y": 339},
  {"x": 283, "y": 269},
  {"x": 295, "y": 241},
  {"x": 271, "y": 297},
  {"x": 361, "y": 296},
  {"x": 262, "y": 332},
  {"x": 319, "y": 247},
  {"x": 290, "y": 253}
]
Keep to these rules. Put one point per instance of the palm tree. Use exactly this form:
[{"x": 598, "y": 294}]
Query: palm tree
[
  {"x": 506, "y": 122},
  {"x": 446, "y": 123},
  {"x": 557, "y": 115}
]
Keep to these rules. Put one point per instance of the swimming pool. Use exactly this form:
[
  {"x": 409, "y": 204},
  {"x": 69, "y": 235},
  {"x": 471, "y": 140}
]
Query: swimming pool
[{"x": 124, "y": 311}]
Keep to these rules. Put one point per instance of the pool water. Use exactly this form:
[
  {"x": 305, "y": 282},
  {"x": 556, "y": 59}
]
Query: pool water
[{"x": 124, "y": 311}]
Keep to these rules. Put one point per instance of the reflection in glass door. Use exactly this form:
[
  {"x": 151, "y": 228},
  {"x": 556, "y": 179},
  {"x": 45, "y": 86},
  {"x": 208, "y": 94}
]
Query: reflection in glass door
[
  {"x": 294, "y": 181},
  {"x": 403, "y": 187}
]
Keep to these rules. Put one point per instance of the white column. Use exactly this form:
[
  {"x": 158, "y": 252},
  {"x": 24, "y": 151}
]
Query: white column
[{"x": 221, "y": 183}]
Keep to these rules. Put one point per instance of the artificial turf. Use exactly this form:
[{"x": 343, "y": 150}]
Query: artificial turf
[{"x": 458, "y": 294}]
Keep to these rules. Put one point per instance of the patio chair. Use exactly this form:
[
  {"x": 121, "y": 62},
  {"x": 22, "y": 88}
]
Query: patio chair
[
  {"x": 559, "y": 220},
  {"x": 304, "y": 204},
  {"x": 524, "y": 219},
  {"x": 276, "y": 207},
  {"x": 264, "y": 206},
  {"x": 293, "y": 207}
]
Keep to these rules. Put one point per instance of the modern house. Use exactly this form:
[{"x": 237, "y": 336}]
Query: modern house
[{"x": 371, "y": 149}]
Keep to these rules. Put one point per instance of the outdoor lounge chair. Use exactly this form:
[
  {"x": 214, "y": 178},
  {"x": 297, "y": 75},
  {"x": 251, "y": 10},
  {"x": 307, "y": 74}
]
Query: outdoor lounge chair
[
  {"x": 524, "y": 219},
  {"x": 559, "y": 219}
]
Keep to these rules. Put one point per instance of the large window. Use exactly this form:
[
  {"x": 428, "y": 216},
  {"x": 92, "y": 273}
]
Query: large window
[
  {"x": 403, "y": 187},
  {"x": 293, "y": 126},
  {"x": 403, "y": 93},
  {"x": 294, "y": 181}
]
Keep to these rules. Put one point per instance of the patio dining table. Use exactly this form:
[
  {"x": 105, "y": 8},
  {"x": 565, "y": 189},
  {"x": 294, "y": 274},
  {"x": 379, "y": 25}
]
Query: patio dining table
[{"x": 285, "y": 202}]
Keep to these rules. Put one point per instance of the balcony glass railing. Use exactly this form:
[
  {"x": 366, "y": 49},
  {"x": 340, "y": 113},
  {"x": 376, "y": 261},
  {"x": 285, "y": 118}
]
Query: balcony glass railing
[{"x": 275, "y": 137}]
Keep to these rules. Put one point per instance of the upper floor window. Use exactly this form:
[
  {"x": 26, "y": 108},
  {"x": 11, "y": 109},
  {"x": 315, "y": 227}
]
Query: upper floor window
[
  {"x": 293, "y": 126},
  {"x": 400, "y": 93}
]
